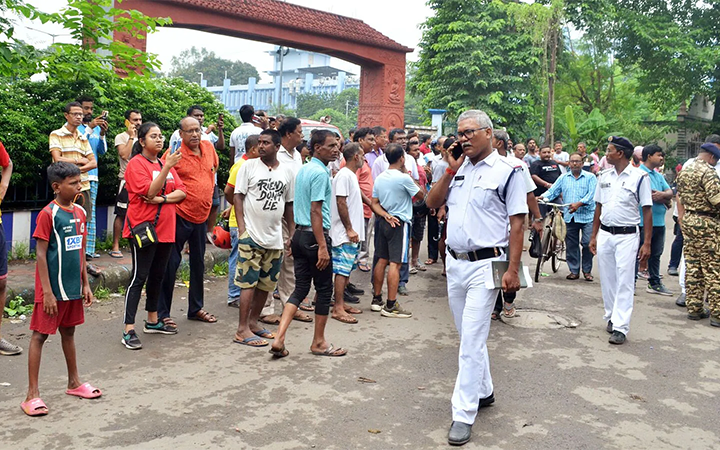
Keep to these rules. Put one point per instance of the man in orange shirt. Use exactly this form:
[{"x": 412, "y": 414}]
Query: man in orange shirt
[{"x": 197, "y": 171}]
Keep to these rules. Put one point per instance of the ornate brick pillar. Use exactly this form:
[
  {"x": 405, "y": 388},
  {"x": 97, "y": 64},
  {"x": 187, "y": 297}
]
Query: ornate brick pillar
[
  {"x": 140, "y": 44},
  {"x": 382, "y": 92}
]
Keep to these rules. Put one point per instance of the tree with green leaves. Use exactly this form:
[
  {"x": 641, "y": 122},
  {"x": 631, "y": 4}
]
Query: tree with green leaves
[
  {"x": 93, "y": 53},
  {"x": 192, "y": 61},
  {"x": 474, "y": 55}
]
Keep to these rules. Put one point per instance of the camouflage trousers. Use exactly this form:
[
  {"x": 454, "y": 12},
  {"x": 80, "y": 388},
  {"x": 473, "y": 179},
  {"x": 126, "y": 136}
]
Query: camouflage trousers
[{"x": 702, "y": 263}]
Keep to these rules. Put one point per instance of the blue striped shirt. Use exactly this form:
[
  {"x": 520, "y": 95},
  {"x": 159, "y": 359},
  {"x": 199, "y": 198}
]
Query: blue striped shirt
[{"x": 581, "y": 189}]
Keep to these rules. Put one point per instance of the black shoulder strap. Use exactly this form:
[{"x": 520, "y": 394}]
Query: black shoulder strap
[
  {"x": 504, "y": 191},
  {"x": 157, "y": 216}
]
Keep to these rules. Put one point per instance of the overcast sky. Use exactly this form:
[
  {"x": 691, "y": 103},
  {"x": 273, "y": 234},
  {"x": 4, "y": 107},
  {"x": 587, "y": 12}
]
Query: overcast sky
[{"x": 398, "y": 20}]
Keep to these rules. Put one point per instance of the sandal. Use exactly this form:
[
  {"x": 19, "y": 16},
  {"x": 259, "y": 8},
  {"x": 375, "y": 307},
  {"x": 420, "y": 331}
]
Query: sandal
[
  {"x": 509, "y": 312},
  {"x": 421, "y": 268},
  {"x": 430, "y": 262},
  {"x": 494, "y": 315},
  {"x": 85, "y": 390},
  {"x": 364, "y": 268},
  {"x": 350, "y": 310},
  {"x": 34, "y": 407},
  {"x": 345, "y": 319},
  {"x": 264, "y": 333},
  {"x": 169, "y": 323},
  {"x": 302, "y": 317},
  {"x": 413, "y": 270},
  {"x": 203, "y": 316},
  {"x": 115, "y": 254},
  {"x": 279, "y": 353},
  {"x": 572, "y": 276},
  {"x": 271, "y": 319},
  {"x": 252, "y": 341},
  {"x": 305, "y": 306},
  {"x": 588, "y": 276},
  {"x": 331, "y": 351}
]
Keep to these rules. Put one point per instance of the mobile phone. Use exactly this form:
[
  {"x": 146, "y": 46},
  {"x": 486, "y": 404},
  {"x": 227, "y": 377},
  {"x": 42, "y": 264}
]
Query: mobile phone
[
  {"x": 127, "y": 123},
  {"x": 256, "y": 119},
  {"x": 104, "y": 116},
  {"x": 457, "y": 151}
]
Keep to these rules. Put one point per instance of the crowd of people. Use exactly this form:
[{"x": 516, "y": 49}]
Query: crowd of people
[{"x": 306, "y": 213}]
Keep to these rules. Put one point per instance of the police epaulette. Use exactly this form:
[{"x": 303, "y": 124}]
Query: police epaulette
[{"x": 605, "y": 170}]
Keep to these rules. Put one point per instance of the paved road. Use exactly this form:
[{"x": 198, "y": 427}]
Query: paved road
[{"x": 562, "y": 388}]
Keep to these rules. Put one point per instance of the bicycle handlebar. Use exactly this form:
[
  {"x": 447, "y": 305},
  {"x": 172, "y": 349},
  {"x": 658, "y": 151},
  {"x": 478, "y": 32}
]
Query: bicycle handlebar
[{"x": 559, "y": 205}]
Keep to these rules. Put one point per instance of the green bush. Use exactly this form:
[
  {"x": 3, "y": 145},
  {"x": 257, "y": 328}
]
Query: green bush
[{"x": 34, "y": 109}]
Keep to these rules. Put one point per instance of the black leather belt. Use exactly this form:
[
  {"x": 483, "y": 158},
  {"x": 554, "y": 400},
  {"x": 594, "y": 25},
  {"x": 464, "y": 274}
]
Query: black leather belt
[
  {"x": 477, "y": 255},
  {"x": 705, "y": 214},
  {"x": 619, "y": 230}
]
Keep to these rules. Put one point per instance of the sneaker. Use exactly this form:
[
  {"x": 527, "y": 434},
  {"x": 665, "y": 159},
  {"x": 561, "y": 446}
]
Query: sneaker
[
  {"x": 681, "y": 300},
  {"x": 644, "y": 274},
  {"x": 715, "y": 321},
  {"x": 673, "y": 271},
  {"x": 699, "y": 316},
  {"x": 158, "y": 328},
  {"x": 402, "y": 290},
  {"x": 617, "y": 338},
  {"x": 659, "y": 289},
  {"x": 377, "y": 304},
  {"x": 131, "y": 341},
  {"x": 396, "y": 312},
  {"x": 8, "y": 349},
  {"x": 349, "y": 298},
  {"x": 354, "y": 290}
]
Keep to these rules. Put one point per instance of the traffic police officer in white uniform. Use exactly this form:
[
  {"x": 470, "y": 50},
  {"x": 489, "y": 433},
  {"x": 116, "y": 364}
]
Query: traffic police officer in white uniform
[
  {"x": 485, "y": 193},
  {"x": 616, "y": 237}
]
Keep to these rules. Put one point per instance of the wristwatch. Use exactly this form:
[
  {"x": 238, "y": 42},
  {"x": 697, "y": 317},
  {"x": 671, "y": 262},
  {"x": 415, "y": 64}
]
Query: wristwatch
[
  {"x": 164, "y": 198},
  {"x": 538, "y": 220}
]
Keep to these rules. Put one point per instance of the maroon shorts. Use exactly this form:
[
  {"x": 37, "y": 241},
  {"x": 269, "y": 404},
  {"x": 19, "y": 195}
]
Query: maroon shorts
[{"x": 70, "y": 314}]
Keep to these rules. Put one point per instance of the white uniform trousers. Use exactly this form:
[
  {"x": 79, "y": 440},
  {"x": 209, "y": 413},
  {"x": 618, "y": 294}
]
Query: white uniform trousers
[
  {"x": 617, "y": 254},
  {"x": 471, "y": 305},
  {"x": 681, "y": 270}
]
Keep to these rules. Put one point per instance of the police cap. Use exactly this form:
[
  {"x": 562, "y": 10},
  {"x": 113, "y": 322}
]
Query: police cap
[
  {"x": 620, "y": 143},
  {"x": 711, "y": 148}
]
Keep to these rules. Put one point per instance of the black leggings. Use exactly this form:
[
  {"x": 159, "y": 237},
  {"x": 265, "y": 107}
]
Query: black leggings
[
  {"x": 149, "y": 265},
  {"x": 305, "y": 254}
]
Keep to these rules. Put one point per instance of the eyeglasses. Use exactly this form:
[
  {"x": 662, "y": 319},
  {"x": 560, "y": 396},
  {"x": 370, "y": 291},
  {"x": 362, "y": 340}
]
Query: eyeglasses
[
  {"x": 470, "y": 133},
  {"x": 193, "y": 131}
]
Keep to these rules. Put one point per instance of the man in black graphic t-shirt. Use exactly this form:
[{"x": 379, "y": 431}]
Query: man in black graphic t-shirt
[{"x": 544, "y": 173}]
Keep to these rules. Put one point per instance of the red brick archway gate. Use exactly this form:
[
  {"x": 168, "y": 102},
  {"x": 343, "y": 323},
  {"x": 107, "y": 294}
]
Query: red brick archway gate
[{"x": 382, "y": 77}]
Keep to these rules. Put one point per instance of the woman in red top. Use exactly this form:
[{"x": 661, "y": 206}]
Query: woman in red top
[{"x": 153, "y": 190}]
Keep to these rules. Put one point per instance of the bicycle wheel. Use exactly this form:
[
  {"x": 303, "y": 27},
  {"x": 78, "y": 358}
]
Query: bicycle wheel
[
  {"x": 558, "y": 253},
  {"x": 545, "y": 252}
]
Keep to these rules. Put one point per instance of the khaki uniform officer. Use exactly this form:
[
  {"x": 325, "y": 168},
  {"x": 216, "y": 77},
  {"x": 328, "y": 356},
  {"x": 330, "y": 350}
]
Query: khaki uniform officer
[
  {"x": 616, "y": 237},
  {"x": 699, "y": 218},
  {"x": 486, "y": 199}
]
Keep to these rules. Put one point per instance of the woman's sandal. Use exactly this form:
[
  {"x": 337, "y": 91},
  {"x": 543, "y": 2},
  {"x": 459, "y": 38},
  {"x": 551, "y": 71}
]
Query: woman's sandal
[
  {"x": 305, "y": 306},
  {"x": 203, "y": 316},
  {"x": 169, "y": 323}
]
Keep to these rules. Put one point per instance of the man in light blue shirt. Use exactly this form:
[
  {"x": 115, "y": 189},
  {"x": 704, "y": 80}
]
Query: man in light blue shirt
[
  {"x": 94, "y": 129},
  {"x": 577, "y": 188},
  {"x": 654, "y": 158},
  {"x": 311, "y": 244},
  {"x": 393, "y": 195}
]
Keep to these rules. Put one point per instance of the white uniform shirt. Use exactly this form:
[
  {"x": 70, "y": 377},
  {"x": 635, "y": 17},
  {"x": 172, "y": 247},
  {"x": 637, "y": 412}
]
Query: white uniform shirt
[
  {"x": 294, "y": 160},
  {"x": 530, "y": 185},
  {"x": 477, "y": 217},
  {"x": 620, "y": 195}
]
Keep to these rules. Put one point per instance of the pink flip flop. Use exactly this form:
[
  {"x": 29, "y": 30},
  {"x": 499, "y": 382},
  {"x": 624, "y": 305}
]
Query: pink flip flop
[
  {"x": 34, "y": 407},
  {"x": 85, "y": 390}
]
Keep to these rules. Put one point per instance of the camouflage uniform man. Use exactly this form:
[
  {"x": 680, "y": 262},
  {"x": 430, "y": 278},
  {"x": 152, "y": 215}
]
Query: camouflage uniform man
[{"x": 699, "y": 218}]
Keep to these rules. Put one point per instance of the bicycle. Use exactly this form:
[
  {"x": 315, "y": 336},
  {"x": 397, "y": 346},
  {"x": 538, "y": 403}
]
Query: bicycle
[{"x": 553, "y": 249}]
